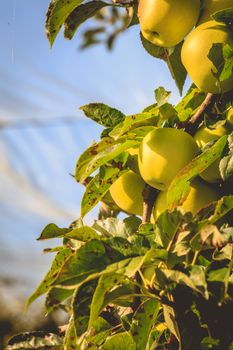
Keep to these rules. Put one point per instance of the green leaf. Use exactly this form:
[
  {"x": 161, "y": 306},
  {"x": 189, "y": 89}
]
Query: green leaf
[
  {"x": 224, "y": 16},
  {"x": 143, "y": 321},
  {"x": 57, "y": 13},
  {"x": 53, "y": 231},
  {"x": 83, "y": 234},
  {"x": 119, "y": 341},
  {"x": 55, "y": 297},
  {"x": 191, "y": 102},
  {"x": 176, "y": 67},
  {"x": 80, "y": 15},
  {"x": 114, "y": 227},
  {"x": 197, "y": 275},
  {"x": 170, "y": 319},
  {"x": 226, "y": 163},
  {"x": 104, "y": 286},
  {"x": 167, "y": 226},
  {"x": 91, "y": 258},
  {"x": 179, "y": 187},
  {"x": 103, "y": 114},
  {"x": 50, "y": 277},
  {"x": 162, "y": 96},
  {"x": 134, "y": 121},
  {"x": 166, "y": 276},
  {"x": 153, "y": 50},
  {"x": 101, "y": 153},
  {"x": 70, "y": 341},
  {"x": 35, "y": 340},
  {"x": 98, "y": 187}
]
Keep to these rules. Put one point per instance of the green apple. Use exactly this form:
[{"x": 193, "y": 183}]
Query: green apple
[
  {"x": 212, "y": 6},
  {"x": 126, "y": 192},
  {"x": 194, "y": 55},
  {"x": 162, "y": 153},
  {"x": 203, "y": 136},
  {"x": 201, "y": 194},
  {"x": 166, "y": 22},
  {"x": 230, "y": 116}
]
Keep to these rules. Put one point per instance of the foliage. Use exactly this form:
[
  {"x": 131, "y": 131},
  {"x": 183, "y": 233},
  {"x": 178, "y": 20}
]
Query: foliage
[{"x": 130, "y": 283}]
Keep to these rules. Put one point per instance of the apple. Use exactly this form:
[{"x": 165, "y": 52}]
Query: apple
[
  {"x": 194, "y": 55},
  {"x": 230, "y": 116},
  {"x": 162, "y": 153},
  {"x": 201, "y": 194},
  {"x": 203, "y": 136},
  {"x": 126, "y": 192},
  {"x": 166, "y": 22},
  {"x": 212, "y": 6}
]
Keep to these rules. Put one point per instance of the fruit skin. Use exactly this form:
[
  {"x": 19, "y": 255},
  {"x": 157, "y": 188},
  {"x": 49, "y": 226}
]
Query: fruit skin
[
  {"x": 127, "y": 193},
  {"x": 200, "y": 195},
  {"x": 212, "y": 6},
  {"x": 194, "y": 56},
  {"x": 203, "y": 136},
  {"x": 230, "y": 116},
  {"x": 166, "y": 22},
  {"x": 162, "y": 153}
]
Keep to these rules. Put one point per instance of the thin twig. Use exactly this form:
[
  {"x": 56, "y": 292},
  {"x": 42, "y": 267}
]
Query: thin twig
[
  {"x": 149, "y": 194},
  {"x": 205, "y": 104}
]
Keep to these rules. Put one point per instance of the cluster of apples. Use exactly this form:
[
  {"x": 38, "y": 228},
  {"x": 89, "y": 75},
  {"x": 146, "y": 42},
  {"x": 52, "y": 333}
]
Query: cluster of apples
[
  {"x": 161, "y": 155},
  {"x": 166, "y": 23}
]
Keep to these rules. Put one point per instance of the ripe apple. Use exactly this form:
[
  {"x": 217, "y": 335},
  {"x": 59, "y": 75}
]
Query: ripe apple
[
  {"x": 166, "y": 22},
  {"x": 203, "y": 136},
  {"x": 162, "y": 153},
  {"x": 230, "y": 116},
  {"x": 201, "y": 194},
  {"x": 194, "y": 55},
  {"x": 126, "y": 192},
  {"x": 212, "y": 6}
]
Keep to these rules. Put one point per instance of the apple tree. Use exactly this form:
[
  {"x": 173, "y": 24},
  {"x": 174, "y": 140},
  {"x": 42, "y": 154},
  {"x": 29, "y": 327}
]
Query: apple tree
[{"x": 155, "y": 269}]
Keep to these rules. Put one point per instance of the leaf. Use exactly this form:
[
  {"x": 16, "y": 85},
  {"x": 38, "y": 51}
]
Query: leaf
[
  {"x": 53, "y": 231},
  {"x": 80, "y": 15},
  {"x": 143, "y": 321},
  {"x": 104, "y": 286},
  {"x": 101, "y": 153},
  {"x": 165, "y": 276},
  {"x": 226, "y": 163},
  {"x": 134, "y": 121},
  {"x": 170, "y": 319},
  {"x": 81, "y": 306},
  {"x": 57, "y": 13},
  {"x": 51, "y": 276},
  {"x": 55, "y": 297},
  {"x": 224, "y": 16},
  {"x": 190, "y": 103},
  {"x": 176, "y": 67},
  {"x": 153, "y": 50},
  {"x": 91, "y": 258},
  {"x": 35, "y": 340},
  {"x": 83, "y": 234},
  {"x": 228, "y": 63},
  {"x": 119, "y": 341},
  {"x": 179, "y": 187},
  {"x": 70, "y": 341},
  {"x": 167, "y": 226},
  {"x": 197, "y": 275},
  {"x": 162, "y": 96},
  {"x": 98, "y": 187},
  {"x": 103, "y": 114},
  {"x": 114, "y": 227}
]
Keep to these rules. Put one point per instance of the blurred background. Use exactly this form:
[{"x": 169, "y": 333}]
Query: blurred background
[{"x": 42, "y": 132}]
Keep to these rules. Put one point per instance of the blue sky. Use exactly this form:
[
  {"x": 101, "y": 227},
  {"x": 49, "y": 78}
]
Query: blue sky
[{"x": 39, "y": 83}]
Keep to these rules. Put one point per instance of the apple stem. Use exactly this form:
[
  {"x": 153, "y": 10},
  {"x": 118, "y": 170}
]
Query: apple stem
[
  {"x": 149, "y": 194},
  {"x": 205, "y": 104}
]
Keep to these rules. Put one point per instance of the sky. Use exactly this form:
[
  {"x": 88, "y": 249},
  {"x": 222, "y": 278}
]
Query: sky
[{"x": 39, "y": 87}]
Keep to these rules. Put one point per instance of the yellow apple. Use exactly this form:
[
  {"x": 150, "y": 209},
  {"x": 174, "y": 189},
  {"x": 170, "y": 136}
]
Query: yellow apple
[
  {"x": 166, "y": 22},
  {"x": 127, "y": 193},
  {"x": 201, "y": 194},
  {"x": 195, "y": 52},
  {"x": 230, "y": 116},
  {"x": 212, "y": 6},
  {"x": 203, "y": 136},
  {"x": 162, "y": 153}
]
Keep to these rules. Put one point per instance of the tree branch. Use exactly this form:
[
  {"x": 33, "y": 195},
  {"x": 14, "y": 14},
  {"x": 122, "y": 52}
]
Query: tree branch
[
  {"x": 205, "y": 104},
  {"x": 149, "y": 194}
]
